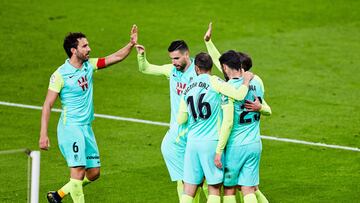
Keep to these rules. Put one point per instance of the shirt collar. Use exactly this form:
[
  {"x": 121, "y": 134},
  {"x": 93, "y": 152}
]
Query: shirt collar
[{"x": 71, "y": 68}]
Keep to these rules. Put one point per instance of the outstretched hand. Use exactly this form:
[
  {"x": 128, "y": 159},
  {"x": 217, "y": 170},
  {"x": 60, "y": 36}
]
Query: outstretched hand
[
  {"x": 207, "y": 35},
  {"x": 140, "y": 49},
  {"x": 133, "y": 35}
]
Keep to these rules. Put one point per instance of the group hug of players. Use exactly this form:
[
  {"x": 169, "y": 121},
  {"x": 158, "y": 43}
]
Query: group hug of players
[{"x": 214, "y": 135}]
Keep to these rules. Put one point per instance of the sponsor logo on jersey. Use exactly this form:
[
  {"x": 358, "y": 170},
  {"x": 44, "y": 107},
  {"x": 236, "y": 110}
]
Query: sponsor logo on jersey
[
  {"x": 92, "y": 157},
  {"x": 180, "y": 87},
  {"x": 83, "y": 83}
]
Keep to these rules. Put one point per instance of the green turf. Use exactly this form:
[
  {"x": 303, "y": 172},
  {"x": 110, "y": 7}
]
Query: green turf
[{"x": 306, "y": 52}]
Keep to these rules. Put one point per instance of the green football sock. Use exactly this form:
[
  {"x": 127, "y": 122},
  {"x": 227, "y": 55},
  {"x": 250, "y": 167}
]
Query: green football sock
[
  {"x": 197, "y": 196},
  {"x": 213, "y": 199},
  {"x": 65, "y": 190},
  {"x": 205, "y": 189},
  {"x": 240, "y": 195},
  {"x": 230, "y": 199},
  {"x": 250, "y": 198},
  {"x": 76, "y": 191},
  {"x": 180, "y": 188},
  {"x": 186, "y": 199},
  {"x": 261, "y": 197}
]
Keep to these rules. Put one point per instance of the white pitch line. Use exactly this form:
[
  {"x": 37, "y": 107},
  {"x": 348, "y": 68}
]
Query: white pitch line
[
  {"x": 96, "y": 115},
  {"x": 167, "y": 124},
  {"x": 131, "y": 120},
  {"x": 13, "y": 151},
  {"x": 310, "y": 143}
]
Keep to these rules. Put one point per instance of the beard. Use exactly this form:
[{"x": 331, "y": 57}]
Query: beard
[
  {"x": 225, "y": 76},
  {"x": 181, "y": 67},
  {"x": 83, "y": 57}
]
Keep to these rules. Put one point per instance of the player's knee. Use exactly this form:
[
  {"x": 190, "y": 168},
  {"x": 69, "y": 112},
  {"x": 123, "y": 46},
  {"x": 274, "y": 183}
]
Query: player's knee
[
  {"x": 229, "y": 190},
  {"x": 77, "y": 173},
  {"x": 214, "y": 189},
  {"x": 190, "y": 189},
  {"x": 248, "y": 189},
  {"x": 93, "y": 174},
  {"x": 97, "y": 175}
]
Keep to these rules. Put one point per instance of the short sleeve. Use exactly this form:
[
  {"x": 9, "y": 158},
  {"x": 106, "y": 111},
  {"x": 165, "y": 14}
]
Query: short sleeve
[
  {"x": 97, "y": 63},
  {"x": 56, "y": 82},
  {"x": 258, "y": 86}
]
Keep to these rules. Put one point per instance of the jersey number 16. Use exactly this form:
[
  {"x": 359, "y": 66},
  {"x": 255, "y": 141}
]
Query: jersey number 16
[{"x": 201, "y": 105}]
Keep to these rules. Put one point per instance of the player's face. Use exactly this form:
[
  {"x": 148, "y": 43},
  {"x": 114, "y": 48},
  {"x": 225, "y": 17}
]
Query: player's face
[
  {"x": 83, "y": 50},
  {"x": 179, "y": 59},
  {"x": 224, "y": 69}
]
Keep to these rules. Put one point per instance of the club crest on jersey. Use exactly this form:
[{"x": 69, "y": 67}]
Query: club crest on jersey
[
  {"x": 180, "y": 87},
  {"x": 83, "y": 83},
  {"x": 52, "y": 79}
]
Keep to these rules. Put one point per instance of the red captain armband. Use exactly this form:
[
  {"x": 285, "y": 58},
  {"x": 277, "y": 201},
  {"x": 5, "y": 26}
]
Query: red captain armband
[{"x": 101, "y": 63}]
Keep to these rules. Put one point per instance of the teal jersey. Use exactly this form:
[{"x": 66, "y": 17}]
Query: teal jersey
[
  {"x": 204, "y": 109},
  {"x": 246, "y": 126},
  {"x": 178, "y": 82},
  {"x": 75, "y": 88}
]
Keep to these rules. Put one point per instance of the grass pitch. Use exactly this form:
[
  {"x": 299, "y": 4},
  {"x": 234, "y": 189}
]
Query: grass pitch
[{"x": 306, "y": 52}]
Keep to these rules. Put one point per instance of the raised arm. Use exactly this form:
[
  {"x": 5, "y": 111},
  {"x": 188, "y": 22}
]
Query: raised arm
[
  {"x": 263, "y": 107},
  {"x": 122, "y": 53},
  {"x": 212, "y": 50},
  {"x": 147, "y": 68}
]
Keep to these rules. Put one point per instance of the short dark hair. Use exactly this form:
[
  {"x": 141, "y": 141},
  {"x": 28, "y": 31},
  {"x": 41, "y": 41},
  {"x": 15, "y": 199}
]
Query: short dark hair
[
  {"x": 203, "y": 61},
  {"x": 246, "y": 62},
  {"x": 231, "y": 58},
  {"x": 71, "y": 41},
  {"x": 178, "y": 45}
]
